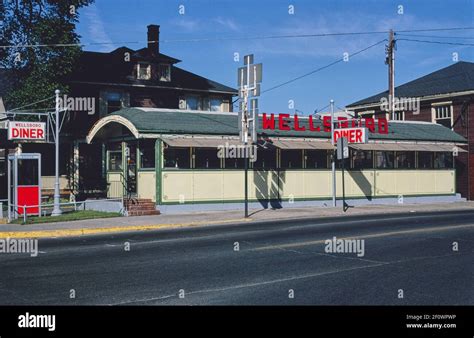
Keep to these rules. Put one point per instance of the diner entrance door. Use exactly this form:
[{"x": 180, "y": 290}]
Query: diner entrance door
[{"x": 131, "y": 168}]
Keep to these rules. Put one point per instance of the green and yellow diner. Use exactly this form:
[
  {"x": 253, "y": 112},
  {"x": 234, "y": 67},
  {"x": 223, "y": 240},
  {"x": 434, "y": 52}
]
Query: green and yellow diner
[{"x": 171, "y": 157}]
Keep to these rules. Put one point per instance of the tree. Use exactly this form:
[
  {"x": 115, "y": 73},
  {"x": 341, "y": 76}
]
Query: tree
[{"x": 37, "y": 71}]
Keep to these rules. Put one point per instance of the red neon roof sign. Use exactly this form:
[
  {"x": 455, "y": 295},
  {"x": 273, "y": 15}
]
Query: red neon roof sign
[{"x": 284, "y": 122}]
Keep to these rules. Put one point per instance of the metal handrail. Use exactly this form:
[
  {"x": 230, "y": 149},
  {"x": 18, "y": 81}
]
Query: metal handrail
[
  {"x": 25, "y": 207},
  {"x": 126, "y": 188}
]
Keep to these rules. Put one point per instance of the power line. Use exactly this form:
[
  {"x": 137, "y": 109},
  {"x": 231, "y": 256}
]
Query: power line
[
  {"x": 434, "y": 29},
  {"x": 31, "y": 104},
  {"x": 436, "y": 36},
  {"x": 262, "y": 37},
  {"x": 439, "y": 42},
  {"x": 321, "y": 68}
]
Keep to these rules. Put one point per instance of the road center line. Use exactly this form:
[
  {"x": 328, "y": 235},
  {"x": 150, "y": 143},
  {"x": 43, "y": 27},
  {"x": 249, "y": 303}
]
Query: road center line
[{"x": 382, "y": 234}]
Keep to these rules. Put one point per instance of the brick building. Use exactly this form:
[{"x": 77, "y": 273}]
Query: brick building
[{"x": 446, "y": 97}]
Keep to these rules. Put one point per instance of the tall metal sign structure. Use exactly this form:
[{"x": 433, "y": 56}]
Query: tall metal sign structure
[
  {"x": 28, "y": 131},
  {"x": 249, "y": 78}
]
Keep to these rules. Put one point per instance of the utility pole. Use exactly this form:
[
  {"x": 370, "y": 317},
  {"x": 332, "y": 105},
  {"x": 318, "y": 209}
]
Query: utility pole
[
  {"x": 390, "y": 61},
  {"x": 333, "y": 162},
  {"x": 249, "y": 79},
  {"x": 56, "y": 209}
]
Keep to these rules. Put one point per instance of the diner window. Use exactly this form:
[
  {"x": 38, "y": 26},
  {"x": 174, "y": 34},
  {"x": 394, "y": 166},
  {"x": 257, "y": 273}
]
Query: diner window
[
  {"x": 235, "y": 163},
  {"x": 291, "y": 159},
  {"x": 115, "y": 160},
  {"x": 362, "y": 159},
  {"x": 215, "y": 104},
  {"x": 193, "y": 102},
  {"x": 443, "y": 160},
  {"x": 164, "y": 72},
  {"x": 178, "y": 158},
  {"x": 384, "y": 159},
  {"x": 399, "y": 116},
  {"x": 206, "y": 158},
  {"x": 266, "y": 159},
  {"x": 443, "y": 115},
  {"x": 316, "y": 159},
  {"x": 147, "y": 154},
  {"x": 405, "y": 159},
  {"x": 113, "y": 101},
  {"x": 143, "y": 71},
  {"x": 425, "y": 160}
]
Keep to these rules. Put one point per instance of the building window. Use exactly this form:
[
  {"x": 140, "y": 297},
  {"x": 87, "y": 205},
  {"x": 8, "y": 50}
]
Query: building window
[
  {"x": 425, "y": 160},
  {"x": 384, "y": 159},
  {"x": 443, "y": 160},
  {"x": 443, "y": 115},
  {"x": 362, "y": 159},
  {"x": 178, "y": 158},
  {"x": 164, "y": 72},
  {"x": 366, "y": 114},
  {"x": 193, "y": 102},
  {"x": 113, "y": 101},
  {"x": 206, "y": 158},
  {"x": 115, "y": 160},
  {"x": 291, "y": 159},
  {"x": 147, "y": 154},
  {"x": 399, "y": 116},
  {"x": 316, "y": 159},
  {"x": 266, "y": 159},
  {"x": 215, "y": 104},
  {"x": 144, "y": 71},
  {"x": 235, "y": 163},
  {"x": 405, "y": 159}
]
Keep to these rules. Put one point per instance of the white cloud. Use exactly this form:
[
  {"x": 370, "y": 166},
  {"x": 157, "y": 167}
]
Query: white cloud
[
  {"x": 96, "y": 28},
  {"x": 227, "y": 23},
  {"x": 187, "y": 24}
]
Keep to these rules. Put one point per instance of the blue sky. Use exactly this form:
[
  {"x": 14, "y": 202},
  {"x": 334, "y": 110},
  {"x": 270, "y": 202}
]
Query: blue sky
[{"x": 116, "y": 21}]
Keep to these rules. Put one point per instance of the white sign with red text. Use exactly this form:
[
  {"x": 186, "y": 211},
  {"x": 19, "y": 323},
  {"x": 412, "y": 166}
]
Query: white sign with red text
[
  {"x": 353, "y": 135},
  {"x": 33, "y": 131}
]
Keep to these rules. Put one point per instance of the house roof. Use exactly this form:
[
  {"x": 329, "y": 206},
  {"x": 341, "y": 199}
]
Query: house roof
[
  {"x": 169, "y": 121},
  {"x": 456, "y": 78},
  {"x": 111, "y": 68}
]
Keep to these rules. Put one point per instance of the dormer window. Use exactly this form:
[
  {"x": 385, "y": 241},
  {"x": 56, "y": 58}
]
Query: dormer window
[
  {"x": 144, "y": 71},
  {"x": 164, "y": 72}
]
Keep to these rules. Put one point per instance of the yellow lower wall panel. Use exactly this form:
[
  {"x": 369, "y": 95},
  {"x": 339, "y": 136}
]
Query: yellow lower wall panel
[
  {"x": 115, "y": 185},
  {"x": 207, "y": 185},
  {"x": 178, "y": 186},
  {"x": 228, "y": 185},
  {"x": 414, "y": 182},
  {"x": 146, "y": 185}
]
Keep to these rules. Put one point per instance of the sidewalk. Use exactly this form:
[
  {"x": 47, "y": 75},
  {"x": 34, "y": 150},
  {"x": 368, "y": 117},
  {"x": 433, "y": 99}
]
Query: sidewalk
[{"x": 142, "y": 223}]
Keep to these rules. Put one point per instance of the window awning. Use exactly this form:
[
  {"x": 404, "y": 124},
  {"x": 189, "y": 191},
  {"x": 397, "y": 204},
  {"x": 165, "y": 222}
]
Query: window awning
[
  {"x": 302, "y": 144},
  {"x": 407, "y": 147},
  {"x": 201, "y": 142}
]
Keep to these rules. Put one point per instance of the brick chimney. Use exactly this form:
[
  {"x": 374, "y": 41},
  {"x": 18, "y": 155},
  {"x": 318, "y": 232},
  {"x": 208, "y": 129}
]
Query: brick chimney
[{"x": 153, "y": 38}]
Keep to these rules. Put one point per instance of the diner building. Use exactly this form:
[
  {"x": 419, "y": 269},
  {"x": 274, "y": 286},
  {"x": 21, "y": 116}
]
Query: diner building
[{"x": 177, "y": 163}]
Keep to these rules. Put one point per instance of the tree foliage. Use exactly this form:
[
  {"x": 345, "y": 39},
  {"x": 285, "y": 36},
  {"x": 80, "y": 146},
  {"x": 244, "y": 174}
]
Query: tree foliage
[{"x": 37, "y": 71}]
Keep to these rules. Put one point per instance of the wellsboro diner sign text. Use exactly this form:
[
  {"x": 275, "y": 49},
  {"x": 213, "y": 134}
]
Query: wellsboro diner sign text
[{"x": 283, "y": 122}]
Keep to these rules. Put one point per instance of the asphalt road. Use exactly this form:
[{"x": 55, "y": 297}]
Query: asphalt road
[{"x": 412, "y": 252}]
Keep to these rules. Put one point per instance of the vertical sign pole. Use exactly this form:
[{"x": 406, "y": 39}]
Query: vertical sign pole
[
  {"x": 246, "y": 96},
  {"x": 9, "y": 189},
  {"x": 56, "y": 209},
  {"x": 333, "y": 162},
  {"x": 343, "y": 186}
]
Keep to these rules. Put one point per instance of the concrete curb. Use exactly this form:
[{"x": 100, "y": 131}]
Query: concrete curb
[
  {"x": 53, "y": 233},
  {"x": 95, "y": 231}
]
